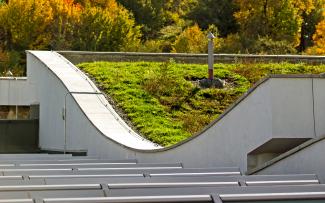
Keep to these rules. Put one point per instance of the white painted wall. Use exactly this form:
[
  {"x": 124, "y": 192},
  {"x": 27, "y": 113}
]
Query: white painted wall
[
  {"x": 16, "y": 91},
  {"x": 278, "y": 108}
]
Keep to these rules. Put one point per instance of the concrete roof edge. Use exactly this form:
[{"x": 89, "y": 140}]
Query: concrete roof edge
[
  {"x": 13, "y": 78},
  {"x": 192, "y": 54}
]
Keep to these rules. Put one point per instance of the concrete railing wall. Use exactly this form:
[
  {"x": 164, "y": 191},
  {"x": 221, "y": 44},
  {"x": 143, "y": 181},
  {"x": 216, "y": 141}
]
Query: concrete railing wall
[
  {"x": 279, "y": 107},
  {"x": 16, "y": 91},
  {"x": 83, "y": 56}
]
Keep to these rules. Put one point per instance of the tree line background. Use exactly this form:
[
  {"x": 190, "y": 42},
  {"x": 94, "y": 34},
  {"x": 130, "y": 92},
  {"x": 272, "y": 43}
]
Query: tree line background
[{"x": 240, "y": 26}]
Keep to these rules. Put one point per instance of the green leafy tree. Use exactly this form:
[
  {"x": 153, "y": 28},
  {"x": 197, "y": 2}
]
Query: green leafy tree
[
  {"x": 154, "y": 15},
  {"x": 219, "y": 13},
  {"x": 147, "y": 13}
]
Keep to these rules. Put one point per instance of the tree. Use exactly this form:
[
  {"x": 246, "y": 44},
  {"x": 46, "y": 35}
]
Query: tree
[
  {"x": 66, "y": 14},
  {"x": 154, "y": 15},
  {"x": 319, "y": 38},
  {"x": 24, "y": 24},
  {"x": 277, "y": 19},
  {"x": 194, "y": 40},
  {"x": 219, "y": 13},
  {"x": 106, "y": 28},
  {"x": 147, "y": 13},
  {"x": 311, "y": 12}
]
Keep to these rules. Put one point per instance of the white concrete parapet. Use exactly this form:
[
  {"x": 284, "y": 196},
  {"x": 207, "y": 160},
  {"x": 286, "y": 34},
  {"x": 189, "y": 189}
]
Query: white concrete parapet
[{"x": 16, "y": 91}]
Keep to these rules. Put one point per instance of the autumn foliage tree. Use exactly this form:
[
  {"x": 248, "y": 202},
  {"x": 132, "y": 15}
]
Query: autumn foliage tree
[
  {"x": 245, "y": 26},
  {"x": 191, "y": 40},
  {"x": 66, "y": 15},
  {"x": 319, "y": 39},
  {"x": 101, "y": 25},
  {"x": 108, "y": 27},
  {"x": 277, "y": 19},
  {"x": 194, "y": 40},
  {"x": 65, "y": 24},
  {"x": 289, "y": 22},
  {"x": 25, "y": 24}
]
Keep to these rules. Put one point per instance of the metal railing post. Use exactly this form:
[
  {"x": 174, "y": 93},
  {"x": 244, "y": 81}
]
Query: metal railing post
[{"x": 210, "y": 55}]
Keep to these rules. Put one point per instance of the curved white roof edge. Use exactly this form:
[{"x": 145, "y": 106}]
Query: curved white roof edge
[{"x": 92, "y": 102}]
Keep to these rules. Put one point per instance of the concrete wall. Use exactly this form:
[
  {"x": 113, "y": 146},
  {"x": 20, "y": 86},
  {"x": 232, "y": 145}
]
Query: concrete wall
[
  {"x": 277, "y": 108},
  {"x": 319, "y": 102},
  {"x": 18, "y": 136},
  {"x": 292, "y": 107},
  {"x": 16, "y": 91},
  {"x": 309, "y": 160},
  {"x": 84, "y": 56}
]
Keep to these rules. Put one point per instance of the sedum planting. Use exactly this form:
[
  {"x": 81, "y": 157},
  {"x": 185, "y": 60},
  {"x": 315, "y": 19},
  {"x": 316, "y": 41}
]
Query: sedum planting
[{"x": 164, "y": 101}]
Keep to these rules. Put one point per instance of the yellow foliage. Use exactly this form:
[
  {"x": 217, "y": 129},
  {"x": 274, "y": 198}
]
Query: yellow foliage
[
  {"x": 64, "y": 24},
  {"x": 191, "y": 40},
  {"x": 276, "y": 19},
  {"x": 305, "y": 5},
  {"x": 106, "y": 27},
  {"x": 66, "y": 15},
  {"x": 27, "y": 22},
  {"x": 319, "y": 39}
]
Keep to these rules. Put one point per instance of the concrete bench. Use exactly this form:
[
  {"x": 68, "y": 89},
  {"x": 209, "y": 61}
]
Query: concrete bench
[
  {"x": 33, "y": 156},
  {"x": 245, "y": 180},
  {"x": 36, "y": 191},
  {"x": 311, "y": 197},
  {"x": 89, "y": 166},
  {"x": 69, "y": 161},
  {"x": 213, "y": 190},
  {"x": 17, "y": 201},
  {"x": 150, "y": 171}
]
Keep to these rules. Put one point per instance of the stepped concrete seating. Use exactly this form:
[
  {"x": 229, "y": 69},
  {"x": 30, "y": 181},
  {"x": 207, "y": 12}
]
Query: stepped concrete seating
[
  {"x": 36, "y": 178},
  {"x": 157, "y": 171}
]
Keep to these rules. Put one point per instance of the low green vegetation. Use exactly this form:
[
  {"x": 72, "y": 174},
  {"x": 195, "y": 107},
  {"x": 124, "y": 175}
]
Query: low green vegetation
[{"x": 164, "y": 101}]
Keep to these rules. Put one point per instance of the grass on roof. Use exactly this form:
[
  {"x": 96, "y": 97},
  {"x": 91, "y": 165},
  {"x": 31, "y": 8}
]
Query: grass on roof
[{"x": 163, "y": 101}]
